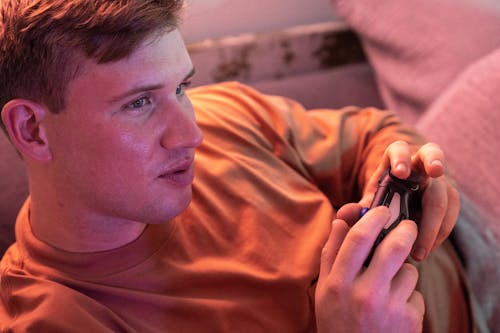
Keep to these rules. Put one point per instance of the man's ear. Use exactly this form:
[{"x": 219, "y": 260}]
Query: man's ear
[{"x": 23, "y": 121}]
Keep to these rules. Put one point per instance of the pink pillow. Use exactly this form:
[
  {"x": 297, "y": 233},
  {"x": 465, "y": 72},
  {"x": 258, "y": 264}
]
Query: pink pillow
[
  {"x": 417, "y": 48},
  {"x": 464, "y": 120}
]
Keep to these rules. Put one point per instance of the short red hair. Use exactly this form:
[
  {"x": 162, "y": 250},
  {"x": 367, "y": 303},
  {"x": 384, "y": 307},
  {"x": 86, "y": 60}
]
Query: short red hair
[{"x": 42, "y": 42}]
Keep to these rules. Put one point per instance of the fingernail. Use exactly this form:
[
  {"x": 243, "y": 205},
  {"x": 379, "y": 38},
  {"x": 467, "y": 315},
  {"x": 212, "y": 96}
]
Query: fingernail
[
  {"x": 419, "y": 253},
  {"x": 401, "y": 167},
  {"x": 437, "y": 163}
]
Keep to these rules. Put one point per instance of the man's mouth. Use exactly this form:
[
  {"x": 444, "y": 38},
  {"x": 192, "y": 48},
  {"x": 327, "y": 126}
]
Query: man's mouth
[{"x": 180, "y": 175}]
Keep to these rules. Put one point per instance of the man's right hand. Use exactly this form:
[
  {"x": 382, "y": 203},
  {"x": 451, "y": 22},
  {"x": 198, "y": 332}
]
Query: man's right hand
[{"x": 377, "y": 298}]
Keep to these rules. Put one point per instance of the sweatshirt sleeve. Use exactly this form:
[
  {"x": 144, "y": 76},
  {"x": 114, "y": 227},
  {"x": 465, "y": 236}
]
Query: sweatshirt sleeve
[{"x": 337, "y": 150}]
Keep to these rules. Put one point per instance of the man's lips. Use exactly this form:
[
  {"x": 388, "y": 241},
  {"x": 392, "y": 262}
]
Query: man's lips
[{"x": 180, "y": 174}]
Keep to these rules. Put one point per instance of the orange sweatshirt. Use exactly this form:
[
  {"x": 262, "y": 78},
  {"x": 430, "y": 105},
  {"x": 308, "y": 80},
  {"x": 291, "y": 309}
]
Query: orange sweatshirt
[{"x": 244, "y": 257}]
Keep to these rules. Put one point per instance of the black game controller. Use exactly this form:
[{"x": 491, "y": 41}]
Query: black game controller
[{"x": 402, "y": 196}]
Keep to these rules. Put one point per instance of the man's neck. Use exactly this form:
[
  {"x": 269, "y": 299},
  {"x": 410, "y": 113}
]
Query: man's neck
[{"x": 79, "y": 232}]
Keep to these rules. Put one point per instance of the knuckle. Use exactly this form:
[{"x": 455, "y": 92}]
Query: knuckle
[
  {"x": 367, "y": 301},
  {"x": 437, "y": 203},
  {"x": 336, "y": 287},
  {"x": 411, "y": 271},
  {"x": 440, "y": 205},
  {"x": 397, "y": 144},
  {"x": 359, "y": 237},
  {"x": 399, "y": 245},
  {"x": 325, "y": 254}
]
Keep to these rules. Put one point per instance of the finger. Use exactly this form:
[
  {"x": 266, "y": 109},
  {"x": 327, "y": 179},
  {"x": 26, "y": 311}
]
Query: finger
[
  {"x": 434, "y": 210},
  {"x": 358, "y": 243},
  {"x": 451, "y": 217},
  {"x": 415, "y": 310},
  {"x": 392, "y": 252},
  {"x": 416, "y": 301},
  {"x": 329, "y": 252},
  {"x": 404, "y": 282},
  {"x": 429, "y": 160},
  {"x": 350, "y": 213},
  {"x": 399, "y": 155},
  {"x": 367, "y": 198}
]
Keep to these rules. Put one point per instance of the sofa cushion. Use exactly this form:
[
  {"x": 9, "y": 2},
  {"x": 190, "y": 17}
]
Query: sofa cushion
[{"x": 417, "y": 48}]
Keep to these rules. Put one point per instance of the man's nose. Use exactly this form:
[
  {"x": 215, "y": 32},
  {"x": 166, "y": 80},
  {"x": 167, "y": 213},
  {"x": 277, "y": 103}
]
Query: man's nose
[{"x": 182, "y": 131}]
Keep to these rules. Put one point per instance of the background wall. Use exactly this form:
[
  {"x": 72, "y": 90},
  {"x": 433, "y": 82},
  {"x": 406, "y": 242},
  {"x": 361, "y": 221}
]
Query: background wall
[
  {"x": 296, "y": 48},
  {"x": 216, "y": 18}
]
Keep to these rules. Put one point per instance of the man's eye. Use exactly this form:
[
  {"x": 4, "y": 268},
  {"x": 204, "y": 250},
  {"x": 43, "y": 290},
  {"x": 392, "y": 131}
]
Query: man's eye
[
  {"x": 181, "y": 88},
  {"x": 140, "y": 103}
]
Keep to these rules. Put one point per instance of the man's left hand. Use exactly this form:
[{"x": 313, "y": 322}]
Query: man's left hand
[{"x": 440, "y": 198}]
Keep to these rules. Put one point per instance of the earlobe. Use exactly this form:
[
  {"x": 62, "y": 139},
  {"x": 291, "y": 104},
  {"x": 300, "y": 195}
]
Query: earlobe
[{"x": 23, "y": 121}]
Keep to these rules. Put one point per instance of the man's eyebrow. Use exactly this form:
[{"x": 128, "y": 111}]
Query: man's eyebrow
[
  {"x": 190, "y": 74},
  {"x": 135, "y": 90},
  {"x": 138, "y": 89}
]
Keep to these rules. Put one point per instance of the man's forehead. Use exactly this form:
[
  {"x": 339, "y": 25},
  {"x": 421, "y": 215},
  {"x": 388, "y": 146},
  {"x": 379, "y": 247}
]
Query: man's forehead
[{"x": 161, "y": 59}]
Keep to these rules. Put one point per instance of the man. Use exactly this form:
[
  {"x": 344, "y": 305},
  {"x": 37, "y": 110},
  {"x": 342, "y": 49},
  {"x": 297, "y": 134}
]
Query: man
[{"x": 93, "y": 97}]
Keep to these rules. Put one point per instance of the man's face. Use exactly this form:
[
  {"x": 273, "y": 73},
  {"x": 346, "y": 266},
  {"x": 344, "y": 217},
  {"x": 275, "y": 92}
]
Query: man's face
[{"x": 123, "y": 147}]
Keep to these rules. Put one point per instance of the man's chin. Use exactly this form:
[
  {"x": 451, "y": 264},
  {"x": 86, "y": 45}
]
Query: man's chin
[{"x": 174, "y": 210}]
